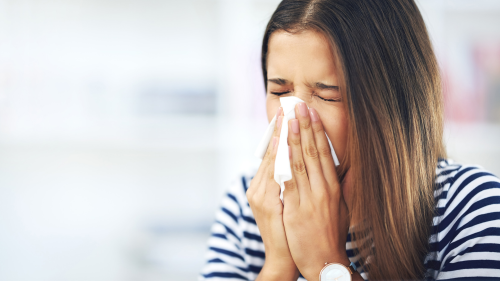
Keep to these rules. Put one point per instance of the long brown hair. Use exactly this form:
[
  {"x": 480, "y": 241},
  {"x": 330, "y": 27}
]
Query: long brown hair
[{"x": 392, "y": 91}]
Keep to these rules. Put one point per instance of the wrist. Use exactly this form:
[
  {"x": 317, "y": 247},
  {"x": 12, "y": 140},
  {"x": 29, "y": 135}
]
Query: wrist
[{"x": 278, "y": 271}]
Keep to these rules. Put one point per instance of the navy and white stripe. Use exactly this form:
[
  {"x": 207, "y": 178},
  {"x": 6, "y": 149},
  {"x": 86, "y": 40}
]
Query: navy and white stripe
[
  {"x": 464, "y": 243},
  {"x": 465, "y": 240}
]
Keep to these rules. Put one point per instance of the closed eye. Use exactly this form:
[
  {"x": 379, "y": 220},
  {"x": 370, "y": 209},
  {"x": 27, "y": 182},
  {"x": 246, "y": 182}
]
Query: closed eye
[
  {"x": 331, "y": 100},
  {"x": 280, "y": 93},
  {"x": 287, "y": 92}
]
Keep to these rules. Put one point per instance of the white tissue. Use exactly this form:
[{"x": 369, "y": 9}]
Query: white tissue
[{"x": 282, "y": 170}]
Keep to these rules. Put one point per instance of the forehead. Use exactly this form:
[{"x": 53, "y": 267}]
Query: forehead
[{"x": 306, "y": 53}]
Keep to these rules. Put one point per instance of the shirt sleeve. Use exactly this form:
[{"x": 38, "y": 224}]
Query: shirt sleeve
[
  {"x": 226, "y": 258},
  {"x": 472, "y": 248}
]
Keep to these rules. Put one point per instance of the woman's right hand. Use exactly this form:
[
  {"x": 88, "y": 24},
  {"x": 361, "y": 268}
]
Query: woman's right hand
[{"x": 264, "y": 198}]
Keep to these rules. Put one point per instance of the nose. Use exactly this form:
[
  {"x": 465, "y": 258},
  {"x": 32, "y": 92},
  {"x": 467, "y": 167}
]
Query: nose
[{"x": 303, "y": 94}]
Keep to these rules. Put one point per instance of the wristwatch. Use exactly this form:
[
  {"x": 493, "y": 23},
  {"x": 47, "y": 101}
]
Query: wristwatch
[{"x": 337, "y": 272}]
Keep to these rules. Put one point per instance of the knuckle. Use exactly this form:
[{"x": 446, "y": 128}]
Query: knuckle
[
  {"x": 275, "y": 132},
  {"x": 290, "y": 185},
  {"x": 268, "y": 153},
  {"x": 250, "y": 197},
  {"x": 251, "y": 189},
  {"x": 311, "y": 151},
  {"x": 324, "y": 151},
  {"x": 317, "y": 128},
  {"x": 295, "y": 141},
  {"x": 305, "y": 125},
  {"x": 299, "y": 167}
]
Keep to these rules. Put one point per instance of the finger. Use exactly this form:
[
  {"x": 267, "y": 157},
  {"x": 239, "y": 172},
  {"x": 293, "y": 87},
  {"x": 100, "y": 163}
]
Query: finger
[
  {"x": 272, "y": 187},
  {"x": 276, "y": 132},
  {"x": 274, "y": 150},
  {"x": 266, "y": 168},
  {"x": 267, "y": 165},
  {"x": 265, "y": 183},
  {"x": 308, "y": 144},
  {"x": 323, "y": 147},
  {"x": 299, "y": 173},
  {"x": 291, "y": 194},
  {"x": 277, "y": 128}
]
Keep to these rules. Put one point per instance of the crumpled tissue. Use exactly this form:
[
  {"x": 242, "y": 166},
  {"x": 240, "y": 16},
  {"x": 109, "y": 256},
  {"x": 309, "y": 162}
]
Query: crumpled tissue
[{"x": 282, "y": 169}]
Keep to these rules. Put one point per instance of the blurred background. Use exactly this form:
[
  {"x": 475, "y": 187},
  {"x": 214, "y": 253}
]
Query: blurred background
[{"x": 123, "y": 122}]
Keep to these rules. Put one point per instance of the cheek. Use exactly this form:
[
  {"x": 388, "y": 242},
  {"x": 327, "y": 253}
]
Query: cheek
[{"x": 272, "y": 105}]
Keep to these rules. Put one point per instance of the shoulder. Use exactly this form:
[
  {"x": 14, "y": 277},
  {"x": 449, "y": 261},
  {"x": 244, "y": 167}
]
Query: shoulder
[
  {"x": 234, "y": 212},
  {"x": 463, "y": 185},
  {"x": 240, "y": 184},
  {"x": 235, "y": 200},
  {"x": 465, "y": 240},
  {"x": 235, "y": 248}
]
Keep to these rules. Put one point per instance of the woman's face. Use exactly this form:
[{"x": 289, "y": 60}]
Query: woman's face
[{"x": 302, "y": 65}]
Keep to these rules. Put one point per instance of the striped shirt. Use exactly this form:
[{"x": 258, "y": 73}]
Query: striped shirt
[{"x": 464, "y": 242}]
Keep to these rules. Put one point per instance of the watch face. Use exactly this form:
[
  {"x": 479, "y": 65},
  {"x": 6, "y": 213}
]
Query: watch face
[{"x": 335, "y": 272}]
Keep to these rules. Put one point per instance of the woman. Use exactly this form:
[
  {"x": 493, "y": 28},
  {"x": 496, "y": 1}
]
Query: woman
[{"x": 395, "y": 207}]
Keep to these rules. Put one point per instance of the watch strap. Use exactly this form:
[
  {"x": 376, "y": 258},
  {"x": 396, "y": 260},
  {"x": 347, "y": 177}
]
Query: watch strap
[{"x": 352, "y": 268}]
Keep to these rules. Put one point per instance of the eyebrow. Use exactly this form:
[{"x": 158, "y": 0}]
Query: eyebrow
[
  {"x": 278, "y": 81},
  {"x": 318, "y": 85},
  {"x": 322, "y": 86}
]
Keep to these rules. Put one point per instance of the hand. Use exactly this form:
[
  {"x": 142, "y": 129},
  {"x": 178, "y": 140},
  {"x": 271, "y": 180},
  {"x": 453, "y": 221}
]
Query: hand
[
  {"x": 315, "y": 213},
  {"x": 263, "y": 197}
]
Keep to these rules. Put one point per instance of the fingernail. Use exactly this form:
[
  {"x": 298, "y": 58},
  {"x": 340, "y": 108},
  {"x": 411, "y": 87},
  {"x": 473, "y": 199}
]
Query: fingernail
[
  {"x": 314, "y": 115},
  {"x": 278, "y": 113},
  {"x": 275, "y": 139},
  {"x": 303, "y": 109},
  {"x": 280, "y": 120},
  {"x": 295, "y": 126}
]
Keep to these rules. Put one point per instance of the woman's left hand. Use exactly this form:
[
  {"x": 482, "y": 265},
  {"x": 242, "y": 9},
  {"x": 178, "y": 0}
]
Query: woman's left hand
[{"x": 315, "y": 214}]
